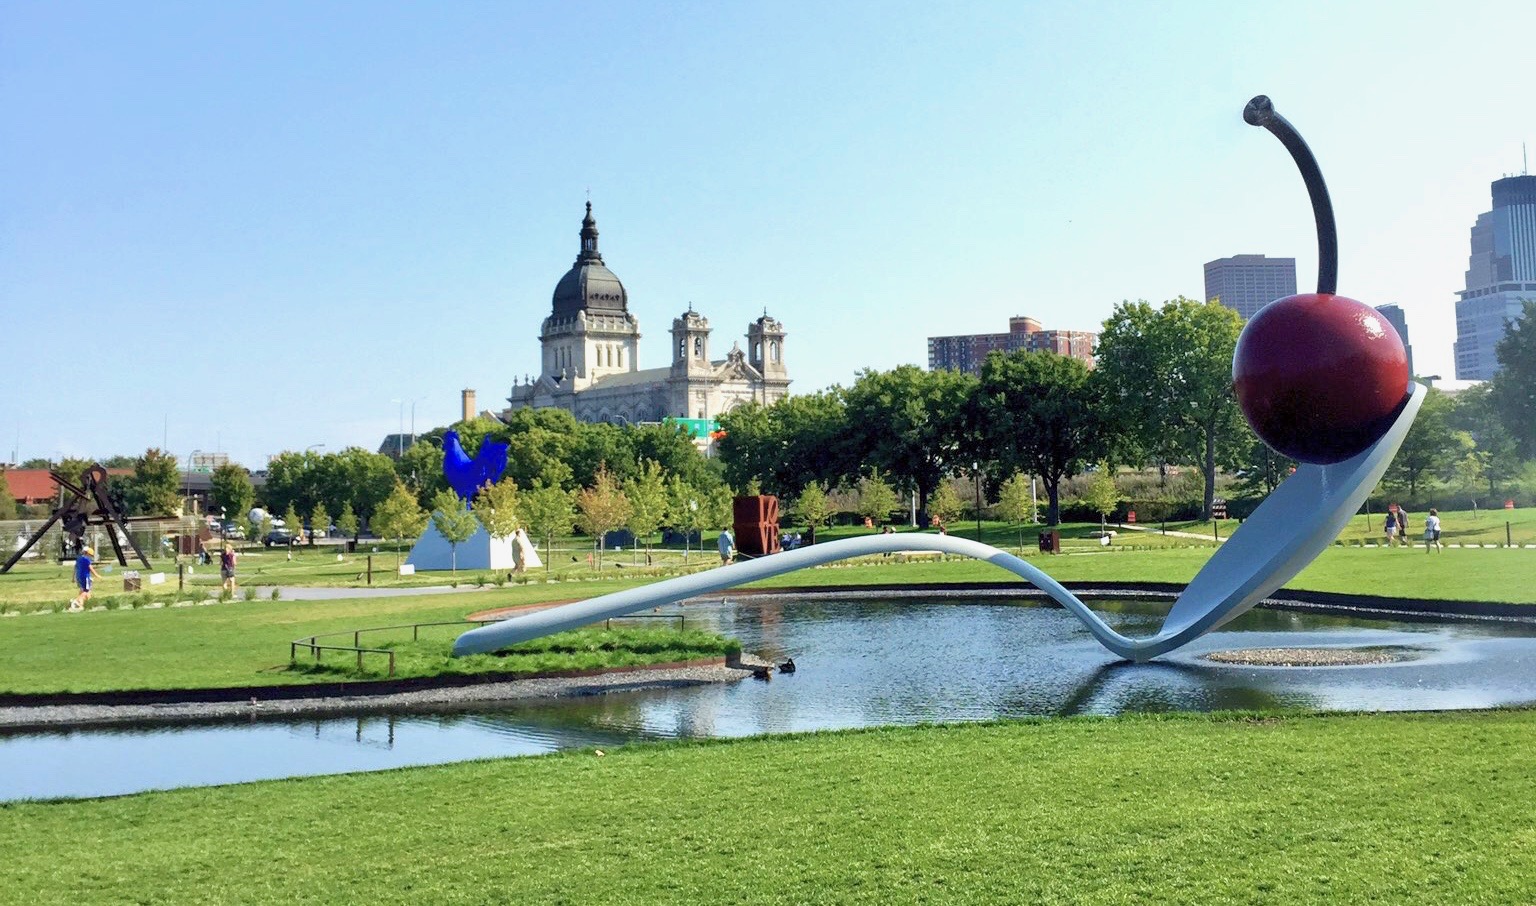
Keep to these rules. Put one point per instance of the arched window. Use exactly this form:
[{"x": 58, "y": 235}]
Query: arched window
[
  {"x": 621, "y": 356},
  {"x": 682, "y": 348},
  {"x": 757, "y": 351},
  {"x": 773, "y": 349},
  {"x": 698, "y": 347}
]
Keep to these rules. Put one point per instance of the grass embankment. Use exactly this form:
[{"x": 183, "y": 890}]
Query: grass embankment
[
  {"x": 1188, "y": 809},
  {"x": 578, "y": 650}
]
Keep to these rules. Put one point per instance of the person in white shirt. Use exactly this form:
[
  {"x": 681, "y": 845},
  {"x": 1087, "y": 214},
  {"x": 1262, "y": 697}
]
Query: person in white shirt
[{"x": 1432, "y": 532}]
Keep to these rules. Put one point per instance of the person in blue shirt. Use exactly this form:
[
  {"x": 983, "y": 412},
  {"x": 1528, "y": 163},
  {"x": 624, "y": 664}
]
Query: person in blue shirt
[
  {"x": 85, "y": 572},
  {"x": 727, "y": 543}
]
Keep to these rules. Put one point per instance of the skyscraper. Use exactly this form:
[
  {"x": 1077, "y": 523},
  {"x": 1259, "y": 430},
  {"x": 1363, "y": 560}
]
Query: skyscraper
[
  {"x": 1247, "y": 283},
  {"x": 1395, "y": 317},
  {"x": 1501, "y": 274}
]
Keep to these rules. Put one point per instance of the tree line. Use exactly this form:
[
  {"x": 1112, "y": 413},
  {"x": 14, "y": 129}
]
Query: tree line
[{"x": 1160, "y": 397}]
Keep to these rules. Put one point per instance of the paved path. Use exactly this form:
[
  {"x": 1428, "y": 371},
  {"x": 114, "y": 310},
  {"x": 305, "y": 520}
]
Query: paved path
[
  {"x": 1148, "y": 528},
  {"x": 297, "y": 593}
]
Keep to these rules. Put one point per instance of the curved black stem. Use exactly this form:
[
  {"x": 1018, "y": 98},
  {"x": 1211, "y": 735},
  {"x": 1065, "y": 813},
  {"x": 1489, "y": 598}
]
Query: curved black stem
[{"x": 1261, "y": 112}]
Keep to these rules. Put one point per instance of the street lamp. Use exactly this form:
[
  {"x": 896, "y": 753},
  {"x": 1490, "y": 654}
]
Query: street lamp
[
  {"x": 400, "y": 434},
  {"x": 186, "y": 484},
  {"x": 976, "y": 473}
]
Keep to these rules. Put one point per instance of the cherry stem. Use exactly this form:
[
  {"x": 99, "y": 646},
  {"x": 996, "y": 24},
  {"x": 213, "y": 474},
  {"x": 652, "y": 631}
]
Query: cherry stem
[{"x": 1261, "y": 112}]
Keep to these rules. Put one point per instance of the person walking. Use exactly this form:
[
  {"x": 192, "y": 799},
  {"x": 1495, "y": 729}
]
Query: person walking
[
  {"x": 1390, "y": 527},
  {"x": 227, "y": 568},
  {"x": 727, "y": 544},
  {"x": 85, "y": 573},
  {"x": 1402, "y": 526},
  {"x": 1432, "y": 532}
]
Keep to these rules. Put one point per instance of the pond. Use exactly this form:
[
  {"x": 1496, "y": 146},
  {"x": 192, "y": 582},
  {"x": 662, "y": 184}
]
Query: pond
[{"x": 862, "y": 661}]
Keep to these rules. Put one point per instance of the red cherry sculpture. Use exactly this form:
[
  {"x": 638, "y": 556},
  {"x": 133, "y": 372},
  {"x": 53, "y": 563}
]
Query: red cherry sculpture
[{"x": 1318, "y": 376}]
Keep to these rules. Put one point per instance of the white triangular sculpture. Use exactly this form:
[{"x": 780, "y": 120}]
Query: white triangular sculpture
[{"x": 481, "y": 551}]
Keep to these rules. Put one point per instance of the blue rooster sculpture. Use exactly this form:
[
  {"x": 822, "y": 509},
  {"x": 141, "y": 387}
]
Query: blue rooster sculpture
[{"x": 466, "y": 476}]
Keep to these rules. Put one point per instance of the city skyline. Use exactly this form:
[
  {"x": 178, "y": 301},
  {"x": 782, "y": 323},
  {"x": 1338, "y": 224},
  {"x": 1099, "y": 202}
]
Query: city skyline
[
  {"x": 1501, "y": 274},
  {"x": 245, "y": 230}
]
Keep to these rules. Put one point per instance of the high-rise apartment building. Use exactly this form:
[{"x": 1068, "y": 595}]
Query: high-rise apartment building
[
  {"x": 1501, "y": 274},
  {"x": 1247, "y": 283},
  {"x": 968, "y": 351},
  {"x": 1395, "y": 317}
]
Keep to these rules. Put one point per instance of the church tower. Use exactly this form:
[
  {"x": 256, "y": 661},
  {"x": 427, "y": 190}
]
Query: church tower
[
  {"x": 589, "y": 333},
  {"x": 765, "y": 352},
  {"x": 690, "y": 365}
]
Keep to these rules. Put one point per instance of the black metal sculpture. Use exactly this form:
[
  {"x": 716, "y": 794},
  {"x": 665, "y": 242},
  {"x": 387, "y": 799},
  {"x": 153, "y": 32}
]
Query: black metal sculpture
[{"x": 88, "y": 505}]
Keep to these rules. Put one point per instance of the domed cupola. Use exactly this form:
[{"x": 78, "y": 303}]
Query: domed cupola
[{"x": 588, "y": 285}]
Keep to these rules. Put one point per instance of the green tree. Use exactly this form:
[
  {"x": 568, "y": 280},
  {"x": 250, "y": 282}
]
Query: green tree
[
  {"x": 813, "y": 508},
  {"x": 398, "y": 517},
  {"x": 73, "y": 468},
  {"x": 155, "y": 489},
  {"x": 787, "y": 445},
  {"x": 647, "y": 496},
  {"x": 548, "y": 510},
  {"x": 232, "y": 490},
  {"x": 421, "y": 469},
  {"x": 293, "y": 524},
  {"x": 1036, "y": 412},
  {"x": 1468, "y": 473},
  {"x": 946, "y": 505},
  {"x": 293, "y": 482},
  {"x": 911, "y": 424},
  {"x": 1165, "y": 381},
  {"x": 355, "y": 476},
  {"x": 454, "y": 521},
  {"x": 601, "y": 508},
  {"x": 717, "y": 507},
  {"x": 1262, "y": 468},
  {"x": 496, "y": 506},
  {"x": 1101, "y": 495},
  {"x": 684, "y": 510},
  {"x": 1016, "y": 502},
  {"x": 1429, "y": 447},
  {"x": 347, "y": 521},
  {"x": 319, "y": 522},
  {"x": 877, "y": 499},
  {"x": 1513, "y": 392},
  {"x": 7, "y": 499},
  {"x": 1475, "y": 413}
]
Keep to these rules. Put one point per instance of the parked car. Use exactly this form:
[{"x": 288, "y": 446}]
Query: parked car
[
  {"x": 233, "y": 530},
  {"x": 278, "y": 538}
]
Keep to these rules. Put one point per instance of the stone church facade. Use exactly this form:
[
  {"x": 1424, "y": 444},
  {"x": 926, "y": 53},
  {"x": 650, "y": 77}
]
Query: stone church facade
[{"x": 590, "y": 346}]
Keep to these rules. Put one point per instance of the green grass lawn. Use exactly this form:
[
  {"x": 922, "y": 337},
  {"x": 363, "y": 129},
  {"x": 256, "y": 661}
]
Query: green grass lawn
[
  {"x": 233, "y": 644},
  {"x": 1186, "y": 809},
  {"x": 591, "y": 648}
]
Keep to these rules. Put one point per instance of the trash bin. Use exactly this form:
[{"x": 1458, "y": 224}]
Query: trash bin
[
  {"x": 351, "y": 546},
  {"x": 1050, "y": 542},
  {"x": 131, "y": 581}
]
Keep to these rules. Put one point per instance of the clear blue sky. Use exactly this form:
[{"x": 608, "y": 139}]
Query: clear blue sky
[{"x": 276, "y": 218}]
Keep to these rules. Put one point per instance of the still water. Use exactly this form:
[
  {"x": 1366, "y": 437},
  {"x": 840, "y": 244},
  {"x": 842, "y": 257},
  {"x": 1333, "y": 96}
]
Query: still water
[{"x": 862, "y": 662}]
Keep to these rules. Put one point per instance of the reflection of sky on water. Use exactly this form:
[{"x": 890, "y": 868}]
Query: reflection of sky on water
[{"x": 861, "y": 663}]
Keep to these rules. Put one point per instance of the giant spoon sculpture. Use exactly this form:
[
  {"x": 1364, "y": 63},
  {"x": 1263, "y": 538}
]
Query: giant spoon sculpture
[{"x": 1320, "y": 377}]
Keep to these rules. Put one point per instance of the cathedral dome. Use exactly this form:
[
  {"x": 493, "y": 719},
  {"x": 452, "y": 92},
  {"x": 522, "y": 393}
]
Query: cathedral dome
[{"x": 589, "y": 285}]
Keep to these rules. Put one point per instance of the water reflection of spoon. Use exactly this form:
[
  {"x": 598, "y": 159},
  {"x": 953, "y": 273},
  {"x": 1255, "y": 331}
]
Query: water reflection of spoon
[{"x": 1287, "y": 531}]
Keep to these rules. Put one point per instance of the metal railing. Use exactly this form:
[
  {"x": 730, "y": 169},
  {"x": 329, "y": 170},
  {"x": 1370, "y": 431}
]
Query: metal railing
[{"x": 313, "y": 645}]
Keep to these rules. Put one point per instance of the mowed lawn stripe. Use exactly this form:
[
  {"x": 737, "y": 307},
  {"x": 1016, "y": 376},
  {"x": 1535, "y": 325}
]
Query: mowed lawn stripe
[{"x": 1191, "y": 809}]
